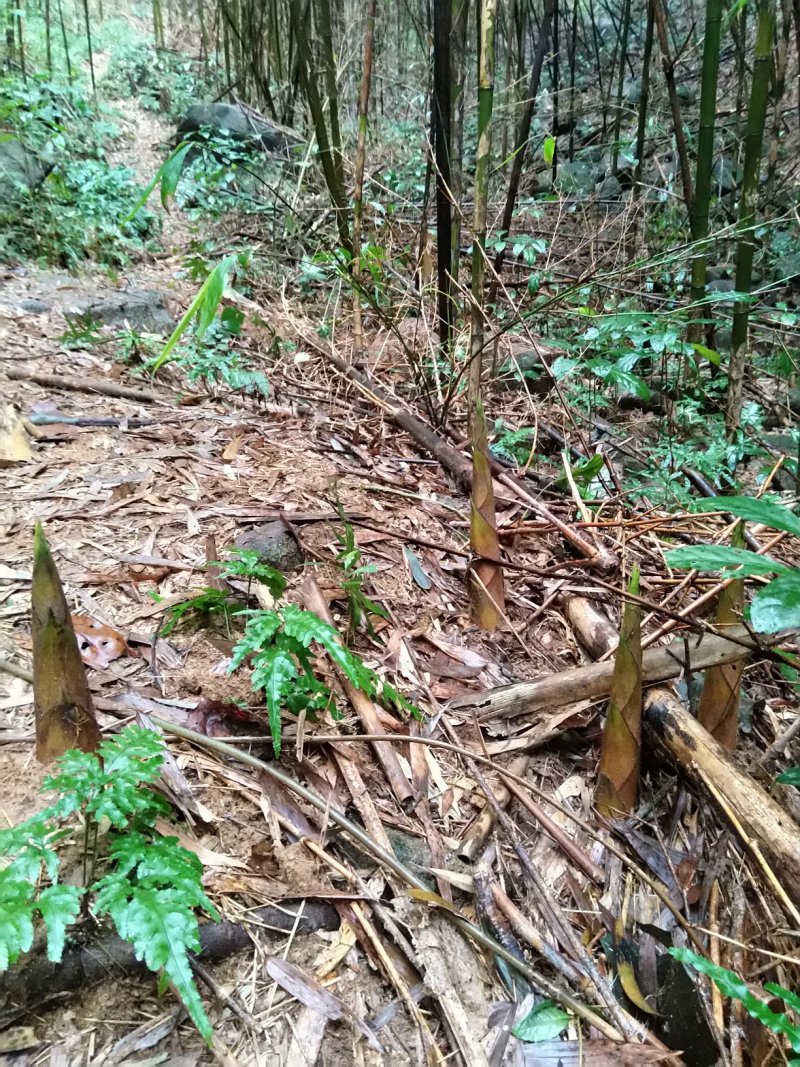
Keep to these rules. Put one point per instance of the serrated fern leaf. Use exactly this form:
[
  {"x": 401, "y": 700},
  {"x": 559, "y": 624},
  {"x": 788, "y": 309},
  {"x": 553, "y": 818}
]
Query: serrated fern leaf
[
  {"x": 162, "y": 931},
  {"x": 32, "y": 844},
  {"x": 306, "y": 627},
  {"x": 274, "y": 671},
  {"x": 58, "y": 906},
  {"x": 16, "y": 918},
  {"x": 162, "y": 864},
  {"x": 259, "y": 631}
]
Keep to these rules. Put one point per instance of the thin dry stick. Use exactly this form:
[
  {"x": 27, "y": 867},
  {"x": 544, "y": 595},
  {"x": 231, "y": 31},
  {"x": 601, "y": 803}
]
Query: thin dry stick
[
  {"x": 541, "y": 984},
  {"x": 661, "y": 891}
]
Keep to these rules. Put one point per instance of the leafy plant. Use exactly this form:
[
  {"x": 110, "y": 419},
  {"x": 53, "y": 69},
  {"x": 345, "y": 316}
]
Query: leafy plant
[
  {"x": 246, "y": 563},
  {"x": 777, "y": 605},
  {"x": 203, "y": 309},
  {"x": 212, "y": 359},
  {"x": 514, "y": 445},
  {"x": 83, "y": 331},
  {"x": 731, "y": 985},
  {"x": 151, "y": 887},
  {"x": 203, "y": 608},
  {"x": 278, "y": 645},
  {"x": 354, "y": 573}
]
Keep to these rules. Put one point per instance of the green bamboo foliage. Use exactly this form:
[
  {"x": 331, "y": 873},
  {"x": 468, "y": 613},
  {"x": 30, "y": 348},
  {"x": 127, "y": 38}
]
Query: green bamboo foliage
[
  {"x": 705, "y": 151},
  {"x": 746, "y": 246},
  {"x": 523, "y": 134},
  {"x": 327, "y": 155},
  {"x": 486, "y": 587}
]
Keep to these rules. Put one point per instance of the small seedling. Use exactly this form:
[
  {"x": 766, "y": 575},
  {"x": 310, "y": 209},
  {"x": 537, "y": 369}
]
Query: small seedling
[
  {"x": 151, "y": 885},
  {"x": 278, "y": 645},
  {"x": 202, "y": 609},
  {"x": 354, "y": 572},
  {"x": 246, "y": 563},
  {"x": 83, "y": 331}
]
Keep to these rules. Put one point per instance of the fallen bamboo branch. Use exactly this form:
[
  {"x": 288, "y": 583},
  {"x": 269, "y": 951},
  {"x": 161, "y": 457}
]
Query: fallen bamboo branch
[
  {"x": 87, "y": 385},
  {"x": 456, "y": 463},
  {"x": 766, "y": 829},
  {"x": 694, "y": 653}
]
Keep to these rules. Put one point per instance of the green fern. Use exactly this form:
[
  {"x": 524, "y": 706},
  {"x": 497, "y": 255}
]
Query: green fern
[
  {"x": 278, "y": 644},
  {"x": 152, "y": 887}
]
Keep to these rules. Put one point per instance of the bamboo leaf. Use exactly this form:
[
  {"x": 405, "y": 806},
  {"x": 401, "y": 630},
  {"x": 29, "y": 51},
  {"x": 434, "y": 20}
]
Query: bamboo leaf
[
  {"x": 618, "y": 774},
  {"x": 203, "y": 307},
  {"x": 62, "y": 701}
]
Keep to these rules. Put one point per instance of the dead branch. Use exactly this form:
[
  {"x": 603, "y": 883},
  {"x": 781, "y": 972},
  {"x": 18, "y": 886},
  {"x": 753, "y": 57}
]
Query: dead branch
[
  {"x": 695, "y": 653},
  {"x": 766, "y": 829},
  {"x": 87, "y": 385}
]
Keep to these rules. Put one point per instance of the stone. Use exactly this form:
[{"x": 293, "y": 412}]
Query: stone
[
  {"x": 35, "y": 307},
  {"x": 238, "y": 124},
  {"x": 275, "y": 544},
  {"x": 725, "y": 174},
  {"x": 143, "y": 309},
  {"x": 610, "y": 188},
  {"x": 575, "y": 178},
  {"x": 20, "y": 167}
]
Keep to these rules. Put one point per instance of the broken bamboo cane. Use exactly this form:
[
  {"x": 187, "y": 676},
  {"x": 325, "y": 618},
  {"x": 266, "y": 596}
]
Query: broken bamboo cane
[
  {"x": 767, "y": 830},
  {"x": 694, "y": 653}
]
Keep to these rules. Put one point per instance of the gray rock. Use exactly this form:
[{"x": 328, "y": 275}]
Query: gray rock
[
  {"x": 725, "y": 174},
  {"x": 20, "y": 167},
  {"x": 575, "y": 178},
  {"x": 275, "y": 544},
  {"x": 632, "y": 90},
  {"x": 610, "y": 188},
  {"x": 142, "y": 309},
  {"x": 238, "y": 124},
  {"x": 35, "y": 307}
]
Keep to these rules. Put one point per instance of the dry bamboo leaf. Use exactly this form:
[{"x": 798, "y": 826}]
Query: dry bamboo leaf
[
  {"x": 310, "y": 993},
  {"x": 625, "y": 954},
  {"x": 718, "y": 709},
  {"x": 63, "y": 704},
  {"x": 618, "y": 774}
]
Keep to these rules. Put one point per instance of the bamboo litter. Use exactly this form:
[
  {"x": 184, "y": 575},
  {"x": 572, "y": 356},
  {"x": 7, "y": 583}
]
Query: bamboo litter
[{"x": 414, "y": 964}]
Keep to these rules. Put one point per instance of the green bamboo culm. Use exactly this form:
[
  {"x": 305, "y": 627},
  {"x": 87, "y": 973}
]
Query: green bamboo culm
[
  {"x": 745, "y": 248},
  {"x": 705, "y": 150},
  {"x": 623, "y": 55}
]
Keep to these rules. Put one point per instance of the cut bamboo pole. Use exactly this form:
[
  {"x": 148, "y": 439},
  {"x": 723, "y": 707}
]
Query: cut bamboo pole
[{"x": 695, "y": 653}]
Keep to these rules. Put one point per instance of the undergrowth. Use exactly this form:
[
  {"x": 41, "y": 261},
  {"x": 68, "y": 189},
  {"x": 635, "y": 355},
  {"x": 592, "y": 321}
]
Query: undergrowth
[{"x": 149, "y": 886}]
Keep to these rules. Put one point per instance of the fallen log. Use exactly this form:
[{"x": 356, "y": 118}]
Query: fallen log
[
  {"x": 88, "y": 385},
  {"x": 694, "y": 653},
  {"x": 765, "y": 828}
]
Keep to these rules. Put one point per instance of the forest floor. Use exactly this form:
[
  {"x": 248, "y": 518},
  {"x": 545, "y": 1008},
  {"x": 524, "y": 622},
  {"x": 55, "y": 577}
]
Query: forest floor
[{"x": 131, "y": 510}]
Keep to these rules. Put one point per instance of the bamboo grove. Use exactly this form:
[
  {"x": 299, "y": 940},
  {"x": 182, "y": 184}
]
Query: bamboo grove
[{"x": 498, "y": 89}]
